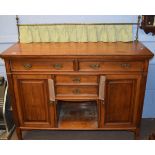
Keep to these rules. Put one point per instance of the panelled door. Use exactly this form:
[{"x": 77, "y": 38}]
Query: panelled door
[
  {"x": 33, "y": 100},
  {"x": 121, "y": 101}
]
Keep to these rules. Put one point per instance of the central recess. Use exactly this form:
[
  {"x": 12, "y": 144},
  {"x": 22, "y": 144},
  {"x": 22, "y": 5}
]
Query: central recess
[{"x": 77, "y": 115}]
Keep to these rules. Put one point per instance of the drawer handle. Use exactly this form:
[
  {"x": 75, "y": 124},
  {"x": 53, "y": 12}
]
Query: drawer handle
[
  {"x": 57, "y": 66},
  {"x": 76, "y": 91},
  {"x": 27, "y": 66},
  {"x": 76, "y": 80},
  {"x": 95, "y": 66},
  {"x": 125, "y": 65}
]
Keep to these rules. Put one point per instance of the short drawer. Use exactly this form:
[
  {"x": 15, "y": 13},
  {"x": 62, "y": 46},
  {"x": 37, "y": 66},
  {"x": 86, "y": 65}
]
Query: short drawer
[
  {"x": 76, "y": 79},
  {"x": 33, "y": 65},
  {"x": 76, "y": 90},
  {"x": 111, "y": 66}
]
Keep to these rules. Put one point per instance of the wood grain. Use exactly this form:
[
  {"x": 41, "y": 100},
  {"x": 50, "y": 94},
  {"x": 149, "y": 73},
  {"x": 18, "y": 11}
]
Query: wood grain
[{"x": 77, "y": 49}]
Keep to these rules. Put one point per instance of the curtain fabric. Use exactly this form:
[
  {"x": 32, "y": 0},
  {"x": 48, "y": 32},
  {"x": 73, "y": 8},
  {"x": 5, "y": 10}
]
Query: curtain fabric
[{"x": 75, "y": 33}]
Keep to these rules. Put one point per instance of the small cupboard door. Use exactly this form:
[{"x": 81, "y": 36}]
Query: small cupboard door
[
  {"x": 121, "y": 101},
  {"x": 33, "y": 100}
]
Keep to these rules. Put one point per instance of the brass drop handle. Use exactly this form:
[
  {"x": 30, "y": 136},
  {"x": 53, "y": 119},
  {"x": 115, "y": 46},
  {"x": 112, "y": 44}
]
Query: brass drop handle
[
  {"x": 76, "y": 91},
  {"x": 76, "y": 80},
  {"x": 57, "y": 66},
  {"x": 125, "y": 65},
  {"x": 27, "y": 66},
  {"x": 95, "y": 66}
]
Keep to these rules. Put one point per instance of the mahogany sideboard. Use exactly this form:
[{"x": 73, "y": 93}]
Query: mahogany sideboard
[{"x": 77, "y": 86}]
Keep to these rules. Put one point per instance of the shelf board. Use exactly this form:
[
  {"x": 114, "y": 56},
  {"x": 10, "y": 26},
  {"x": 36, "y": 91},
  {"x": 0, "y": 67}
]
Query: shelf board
[
  {"x": 74, "y": 98},
  {"x": 76, "y": 84}
]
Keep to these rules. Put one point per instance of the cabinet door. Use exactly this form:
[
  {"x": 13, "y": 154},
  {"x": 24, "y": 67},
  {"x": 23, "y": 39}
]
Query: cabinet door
[
  {"x": 32, "y": 99},
  {"x": 119, "y": 109}
]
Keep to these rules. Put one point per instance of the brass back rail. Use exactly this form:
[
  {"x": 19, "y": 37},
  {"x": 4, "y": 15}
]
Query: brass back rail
[{"x": 138, "y": 25}]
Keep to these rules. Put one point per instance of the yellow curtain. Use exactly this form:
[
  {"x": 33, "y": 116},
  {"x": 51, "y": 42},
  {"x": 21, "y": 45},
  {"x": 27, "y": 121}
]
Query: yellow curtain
[{"x": 75, "y": 33}]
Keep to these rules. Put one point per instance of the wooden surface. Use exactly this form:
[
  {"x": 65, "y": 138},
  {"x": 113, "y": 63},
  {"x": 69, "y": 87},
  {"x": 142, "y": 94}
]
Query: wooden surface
[
  {"x": 122, "y": 94},
  {"x": 110, "y": 66},
  {"x": 76, "y": 70},
  {"x": 37, "y": 65},
  {"x": 32, "y": 99},
  {"x": 77, "y": 49}
]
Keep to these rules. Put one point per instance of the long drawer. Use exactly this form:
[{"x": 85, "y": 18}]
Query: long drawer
[
  {"x": 76, "y": 80},
  {"x": 38, "y": 65},
  {"x": 110, "y": 66},
  {"x": 76, "y": 91}
]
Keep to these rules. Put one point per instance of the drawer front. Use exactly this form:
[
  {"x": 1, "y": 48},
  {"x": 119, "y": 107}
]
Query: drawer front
[
  {"x": 76, "y": 90},
  {"x": 110, "y": 66},
  {"x": 123, "y": 66},
  {"x": 31, "y": 65},
  {"x": 76, "y": 79}
]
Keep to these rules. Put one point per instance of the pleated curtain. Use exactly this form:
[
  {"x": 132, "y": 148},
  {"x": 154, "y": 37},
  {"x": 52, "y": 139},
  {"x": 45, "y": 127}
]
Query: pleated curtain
[{"x": 75, "y": 33}]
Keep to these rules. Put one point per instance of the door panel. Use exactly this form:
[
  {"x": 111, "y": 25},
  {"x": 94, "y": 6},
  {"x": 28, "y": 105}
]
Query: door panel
[
  {"x": 121, "y": 100},
  {"x": 120, "y": 96},
  {"x": 32, "y": 97}
]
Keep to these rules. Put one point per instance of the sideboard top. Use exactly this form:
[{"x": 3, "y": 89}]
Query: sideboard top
[{"x": 76, "y": 49}]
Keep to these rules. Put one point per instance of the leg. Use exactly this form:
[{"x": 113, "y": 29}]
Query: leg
[
  {"x": 137, "y": 134},
  {"x": 19, "y": 133}
]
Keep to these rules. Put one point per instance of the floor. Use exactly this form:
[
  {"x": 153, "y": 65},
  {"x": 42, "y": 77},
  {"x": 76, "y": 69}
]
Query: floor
[{"x": 147, "y": 128}]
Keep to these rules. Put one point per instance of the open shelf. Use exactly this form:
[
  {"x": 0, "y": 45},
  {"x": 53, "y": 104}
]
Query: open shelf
[{"x": 77, "y": 115}]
